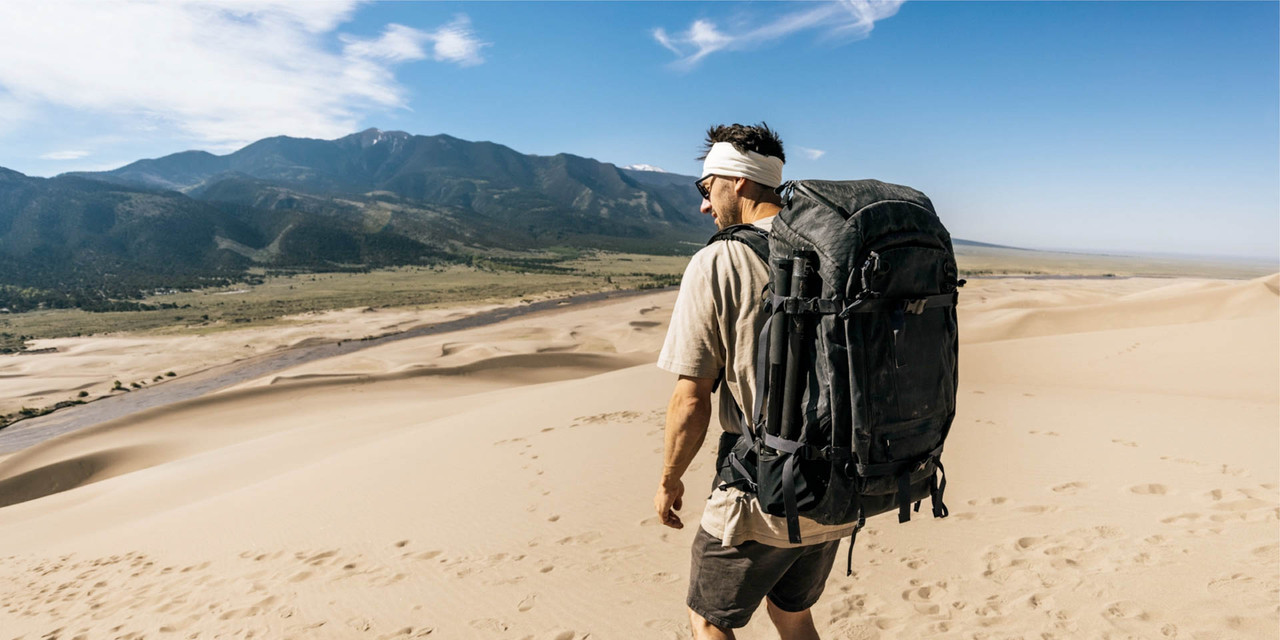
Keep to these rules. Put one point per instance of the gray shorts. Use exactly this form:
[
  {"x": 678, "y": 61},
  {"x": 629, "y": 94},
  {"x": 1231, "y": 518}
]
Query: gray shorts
[{"x": 727, "y": 584}]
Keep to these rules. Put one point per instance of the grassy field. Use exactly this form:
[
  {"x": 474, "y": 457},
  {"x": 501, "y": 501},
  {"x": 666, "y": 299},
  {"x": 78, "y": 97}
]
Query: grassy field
[
  {"x": 516, "y": 276},
  {"x": 240, "y": 306}
]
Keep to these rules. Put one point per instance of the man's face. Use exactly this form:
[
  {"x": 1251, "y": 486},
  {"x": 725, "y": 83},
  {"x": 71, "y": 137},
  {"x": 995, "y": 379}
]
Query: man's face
[{"x": 722, "y": 206}]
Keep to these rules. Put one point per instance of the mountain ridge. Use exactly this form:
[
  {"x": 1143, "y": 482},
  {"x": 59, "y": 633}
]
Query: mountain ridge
[{"x": 370, "y": 198}]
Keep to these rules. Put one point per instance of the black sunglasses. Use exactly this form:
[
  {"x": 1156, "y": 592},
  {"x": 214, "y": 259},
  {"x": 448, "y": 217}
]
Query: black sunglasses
[{"x": 702, "y": 189}]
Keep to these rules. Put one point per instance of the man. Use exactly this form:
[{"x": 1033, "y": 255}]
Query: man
[{"x": 741, "y": 554}]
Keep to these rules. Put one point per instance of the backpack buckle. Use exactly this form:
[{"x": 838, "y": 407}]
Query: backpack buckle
[{"x": 916, "y": 307}]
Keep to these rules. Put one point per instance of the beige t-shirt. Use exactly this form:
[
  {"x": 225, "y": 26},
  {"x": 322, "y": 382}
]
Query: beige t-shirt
[{"x": 716, "y": 323}]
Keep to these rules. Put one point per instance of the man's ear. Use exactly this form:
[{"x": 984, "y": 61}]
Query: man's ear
[{"x": 742, "y": 187}]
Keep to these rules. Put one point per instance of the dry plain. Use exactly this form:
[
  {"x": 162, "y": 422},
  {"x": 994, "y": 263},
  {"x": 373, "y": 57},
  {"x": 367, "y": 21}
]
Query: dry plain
[{"x": 1113, "y": 474}]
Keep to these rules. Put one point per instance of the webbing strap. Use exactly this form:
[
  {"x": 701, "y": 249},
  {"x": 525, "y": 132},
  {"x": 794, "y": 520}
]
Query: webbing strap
[
  {"x": 762, "y": 370},
  {"x": 742, "y": 470},
  {"x": 935, "y": 492},
  {"x": 892, "y": 468},
  {"x": 818, "y": 306},
  {"x": 806, "y": 451},
  {"x": 789, "y": 499},
  {"x": 782, "y": 444},
  {"x": 910, "y": 305},
  {"x": 853, "y": 537},
  {"x": 904, "y": 493}
]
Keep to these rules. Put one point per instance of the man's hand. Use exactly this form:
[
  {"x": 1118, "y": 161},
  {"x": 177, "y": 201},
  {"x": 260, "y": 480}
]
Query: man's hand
[{"x": 668, "y": 501}]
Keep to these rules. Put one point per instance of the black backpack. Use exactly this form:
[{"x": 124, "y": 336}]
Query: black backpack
[{"x": 857, "y": 362}]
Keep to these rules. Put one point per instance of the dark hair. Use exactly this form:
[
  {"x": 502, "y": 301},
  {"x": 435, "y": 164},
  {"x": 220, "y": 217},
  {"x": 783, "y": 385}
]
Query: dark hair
[{"x": 758, "y": 138}]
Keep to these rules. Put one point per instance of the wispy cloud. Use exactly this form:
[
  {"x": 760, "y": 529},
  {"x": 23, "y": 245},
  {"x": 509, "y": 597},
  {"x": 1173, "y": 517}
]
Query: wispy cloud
[
  {"x": 64, "y": 155},
  {"x": 846, "y": 19},
  {"x": 812, "y": 154},
  {"x": 455, "y": 42},
  {"x": 220, "y": 72}
]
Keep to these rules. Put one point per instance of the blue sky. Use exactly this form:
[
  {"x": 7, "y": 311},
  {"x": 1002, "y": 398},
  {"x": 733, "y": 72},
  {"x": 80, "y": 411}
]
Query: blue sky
[{"x": 1122, "y": 127}]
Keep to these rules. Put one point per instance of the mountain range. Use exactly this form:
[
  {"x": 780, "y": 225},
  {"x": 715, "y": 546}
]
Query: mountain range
[
  {"x": 398, "y": 182},
  {"x": 368, "y": 199},
  {"x": 373, "y": 198}
]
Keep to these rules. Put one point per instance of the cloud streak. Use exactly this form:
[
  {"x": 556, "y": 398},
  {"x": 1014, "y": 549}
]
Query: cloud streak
[
  {"x": 844, "y": 20},
  {"x": 64, "y": 155},
  {"x": 223, "y": 73},
  {"x": 812, "y": 154}
]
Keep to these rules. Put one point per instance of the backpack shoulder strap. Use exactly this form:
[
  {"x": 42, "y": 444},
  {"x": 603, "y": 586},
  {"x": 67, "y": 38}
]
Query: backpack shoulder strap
[
  {"x": 757, "y": 240},
  {"x": 749, "y": 234}
]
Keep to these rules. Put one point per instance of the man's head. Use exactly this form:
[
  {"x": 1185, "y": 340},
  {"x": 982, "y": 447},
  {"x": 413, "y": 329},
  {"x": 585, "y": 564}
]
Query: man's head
[{"x": 742, "y": 165}]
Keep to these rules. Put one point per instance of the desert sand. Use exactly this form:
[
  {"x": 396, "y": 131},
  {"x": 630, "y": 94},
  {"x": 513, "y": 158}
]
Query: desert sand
[
  {"x": 1113, "y": 473},
  {"x": 60, "y": 368}
]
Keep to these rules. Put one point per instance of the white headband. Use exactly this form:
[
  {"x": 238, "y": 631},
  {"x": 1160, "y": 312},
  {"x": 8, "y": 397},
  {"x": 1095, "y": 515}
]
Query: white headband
[{"x": 724, "y": 160}]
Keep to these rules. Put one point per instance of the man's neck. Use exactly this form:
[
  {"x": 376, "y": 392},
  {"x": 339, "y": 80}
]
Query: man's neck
[{"x": 758, "y": 211}]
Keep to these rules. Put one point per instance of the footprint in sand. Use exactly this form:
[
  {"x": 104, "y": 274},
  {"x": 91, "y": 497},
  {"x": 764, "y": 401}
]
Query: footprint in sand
[
  {"x": 526, "y": 604},
  {"x": 914, "y": 563},
  {"x": 408, "y": 632},
  {"x": 987, "y": 501},
  {"x": 1234, "y": 582},
  {"x": 1037, "y": 509},
  {"x": 1029, "y": 542},
  {"x": 1125, "y": 443},
  {"x": 321, "y": 558},
  {"x": 489, "y": 624},
  {"x": 582, "y": 538},
  {"x": 1070, "y": 488},
  {"x": 669, "y": 628},
  {"x": 1269, "y": 553},
  {"x": 1040, "y": 601},
  {"x": 926, "y": 598},
  {"x": 1125, "y": 610},
  {"x": 1149, "y": 489}
]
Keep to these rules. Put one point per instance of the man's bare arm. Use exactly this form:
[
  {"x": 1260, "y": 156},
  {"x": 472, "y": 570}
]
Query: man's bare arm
[{"x": 688, "y": 414}]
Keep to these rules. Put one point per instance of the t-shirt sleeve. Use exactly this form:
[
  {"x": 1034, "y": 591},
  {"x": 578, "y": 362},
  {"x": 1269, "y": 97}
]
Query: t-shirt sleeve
[{"x": 693, "y": 346}]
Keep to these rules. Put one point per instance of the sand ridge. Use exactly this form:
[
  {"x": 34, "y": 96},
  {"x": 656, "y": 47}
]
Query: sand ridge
[
  {"x": 92, "y": 364},
  {"x": 1113, "y": 474}
]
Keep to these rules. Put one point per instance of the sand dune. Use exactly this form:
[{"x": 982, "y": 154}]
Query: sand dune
[
  {"x": 1048, "y": 311},
  {"x": 1113, "y": 474},
  {"x": 94, "y": 363}
]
